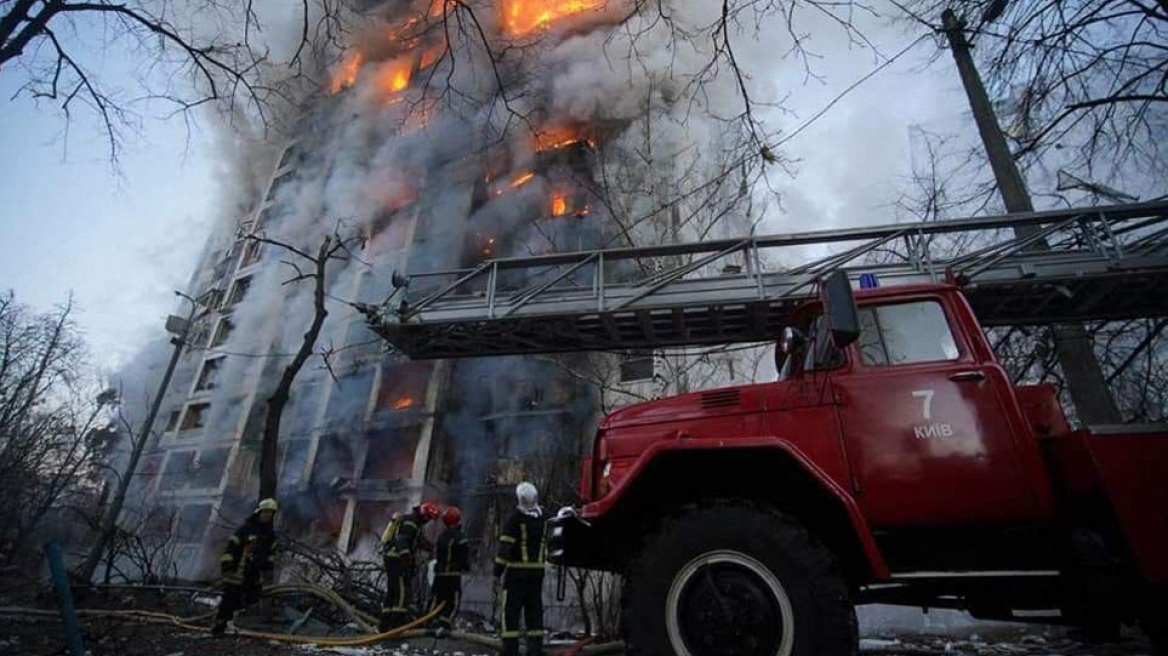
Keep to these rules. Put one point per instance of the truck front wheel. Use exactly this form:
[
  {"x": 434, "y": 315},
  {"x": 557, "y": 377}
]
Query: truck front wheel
[{"x": 735, "y": 579}]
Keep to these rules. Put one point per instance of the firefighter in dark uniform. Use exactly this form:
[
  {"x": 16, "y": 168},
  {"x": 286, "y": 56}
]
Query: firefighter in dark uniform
[
  {"x": 452, "y": 560},
  {"x": 520, "y": 563},
  {"x": 246, "y": 562},
  {"x": 400, "y": 540}
]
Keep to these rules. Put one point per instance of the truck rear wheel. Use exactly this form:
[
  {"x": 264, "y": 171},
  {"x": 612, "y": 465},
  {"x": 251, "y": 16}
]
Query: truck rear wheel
[{"x": 732, "y": 579}]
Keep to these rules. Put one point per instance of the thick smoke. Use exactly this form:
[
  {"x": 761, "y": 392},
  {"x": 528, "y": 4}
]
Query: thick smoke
[{"x": 443, "y": 135}]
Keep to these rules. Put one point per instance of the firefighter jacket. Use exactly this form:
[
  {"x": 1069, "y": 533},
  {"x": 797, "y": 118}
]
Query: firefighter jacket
[
  {"x": 523, "y": 543},
  {"x": 451, "y": 553},
  {"x": 403, "y": 536},
  {"x": 249, "y": 552}
]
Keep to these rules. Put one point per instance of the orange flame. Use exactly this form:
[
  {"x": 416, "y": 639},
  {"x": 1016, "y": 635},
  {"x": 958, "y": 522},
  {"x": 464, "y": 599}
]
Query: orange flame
[
  {"x": 403, "y": 403},
  {"x": 559, "y": 205},
  {"x": 394, "y": 76},
  {"x": 522, "y": 179},
  {"x": 525, "y": 16},
  {"x": 346, "y": 74},
  {"x": 560, "y": 136},
  {"x": 431, "y": 55}
]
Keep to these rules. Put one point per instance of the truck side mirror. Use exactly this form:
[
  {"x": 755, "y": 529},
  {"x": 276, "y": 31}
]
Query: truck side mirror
[
  {"x": 791, "y": 341},
  {"x": 839, "y": 304}
]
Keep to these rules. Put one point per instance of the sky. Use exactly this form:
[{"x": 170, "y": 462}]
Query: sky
[{"x": 121, "y": 241}]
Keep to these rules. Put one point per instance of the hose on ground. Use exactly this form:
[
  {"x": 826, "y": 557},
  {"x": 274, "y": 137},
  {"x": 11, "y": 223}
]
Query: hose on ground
[
  {"x": 165, "y": 618},
  {"x": 410, "y": 630}
]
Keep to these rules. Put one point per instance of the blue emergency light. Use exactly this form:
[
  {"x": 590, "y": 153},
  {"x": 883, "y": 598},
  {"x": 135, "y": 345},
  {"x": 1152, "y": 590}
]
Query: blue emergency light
[{"x": 869, "y": 281}]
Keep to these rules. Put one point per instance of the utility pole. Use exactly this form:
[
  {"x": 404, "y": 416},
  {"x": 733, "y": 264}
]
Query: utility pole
[
  {"x": 1076, "y": 351},
  {"x": 178, "y": 327}
]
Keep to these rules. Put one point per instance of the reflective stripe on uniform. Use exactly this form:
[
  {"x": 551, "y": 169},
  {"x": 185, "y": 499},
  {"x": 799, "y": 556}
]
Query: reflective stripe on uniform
[
  {"x": 507, "y": 538},
  {"x": 523, "y": 543},
  {"x": 526, "y": 565}
]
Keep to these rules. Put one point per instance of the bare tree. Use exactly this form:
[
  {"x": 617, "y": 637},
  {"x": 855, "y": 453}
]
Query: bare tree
[
  {"x": 1081, "y": 83},
  {"x": 194, "y": 54},
  {"x": 332, "y": 248},
  {"x": 49, "y": 410}
]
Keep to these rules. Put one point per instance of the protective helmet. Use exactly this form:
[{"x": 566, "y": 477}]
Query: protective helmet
[
  {"x": 452, "y": 517},
  {"x": 527, "y": 495},
  {"x": 429, "y": 510},
  {"x": 268, "y": 504}
]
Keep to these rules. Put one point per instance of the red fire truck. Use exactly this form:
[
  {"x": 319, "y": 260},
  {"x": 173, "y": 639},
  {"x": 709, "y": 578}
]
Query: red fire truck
[{"x": 892, "y": 462}]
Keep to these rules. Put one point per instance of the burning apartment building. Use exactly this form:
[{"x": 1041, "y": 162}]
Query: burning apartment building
[{"x": 446, "y": 135}]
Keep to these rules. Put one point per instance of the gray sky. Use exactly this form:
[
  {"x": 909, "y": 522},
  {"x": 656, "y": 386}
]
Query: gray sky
[
  {"x": 69, "y": 223},
  {"x": 123, "y": 244}
]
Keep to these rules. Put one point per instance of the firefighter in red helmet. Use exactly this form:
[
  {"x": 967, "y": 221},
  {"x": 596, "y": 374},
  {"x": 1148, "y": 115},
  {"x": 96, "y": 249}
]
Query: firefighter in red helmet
[
  {"x": 400, "y": 540},
  {"x": 452, "y": 560}
]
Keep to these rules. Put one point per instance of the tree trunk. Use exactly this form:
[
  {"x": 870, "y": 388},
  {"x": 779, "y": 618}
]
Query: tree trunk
[{"x": 269, "y": 447}]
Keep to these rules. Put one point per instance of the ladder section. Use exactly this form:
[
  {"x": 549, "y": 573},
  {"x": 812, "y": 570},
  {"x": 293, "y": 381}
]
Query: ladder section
[{"x": 1078, "y": 264}]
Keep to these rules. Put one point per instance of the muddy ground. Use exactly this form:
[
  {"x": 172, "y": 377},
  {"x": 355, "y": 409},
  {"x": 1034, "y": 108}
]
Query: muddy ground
[{"x": 106, "y": 636}]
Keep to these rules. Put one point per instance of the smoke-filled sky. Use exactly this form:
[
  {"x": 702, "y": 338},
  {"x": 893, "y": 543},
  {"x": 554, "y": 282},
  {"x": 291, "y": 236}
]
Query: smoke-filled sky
[{"x": 121, "y": 244}]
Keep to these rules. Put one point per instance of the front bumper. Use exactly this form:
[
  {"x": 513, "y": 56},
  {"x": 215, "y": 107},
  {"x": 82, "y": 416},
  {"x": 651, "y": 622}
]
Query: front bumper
[{"x": 575, "y": 542}]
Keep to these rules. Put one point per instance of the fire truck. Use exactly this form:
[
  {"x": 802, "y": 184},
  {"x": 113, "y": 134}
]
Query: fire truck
[{"x": 892, "y": 461}]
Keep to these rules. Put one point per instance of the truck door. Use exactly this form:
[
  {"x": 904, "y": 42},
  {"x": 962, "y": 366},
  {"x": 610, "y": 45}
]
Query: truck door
[{"x": 924, "y": 427}]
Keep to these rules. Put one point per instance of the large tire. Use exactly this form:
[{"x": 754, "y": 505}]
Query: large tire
[
  {"x": 734, "y": 579},
  {"x": 1155, "y": 621}
]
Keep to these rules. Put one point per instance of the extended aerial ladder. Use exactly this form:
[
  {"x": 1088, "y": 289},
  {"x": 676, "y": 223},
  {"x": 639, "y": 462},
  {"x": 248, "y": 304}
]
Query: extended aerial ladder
[{"x": 1082, "y": 264}]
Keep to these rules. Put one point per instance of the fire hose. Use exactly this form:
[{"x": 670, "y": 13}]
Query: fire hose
[{"x": 361, "y": 619}]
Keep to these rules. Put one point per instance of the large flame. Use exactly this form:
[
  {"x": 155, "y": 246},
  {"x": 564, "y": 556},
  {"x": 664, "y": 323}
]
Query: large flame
[
  {"x": 560, "y": 136},
  {"x": 559, "y": 204},
  {"x": 394, "y": 75},
  {"x": 525, "y": 16},
  {"x": 346, "y": 74}
]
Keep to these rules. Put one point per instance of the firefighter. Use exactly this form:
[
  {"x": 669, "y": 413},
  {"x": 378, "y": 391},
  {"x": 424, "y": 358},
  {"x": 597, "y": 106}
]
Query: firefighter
[
  {"x": 520, "y": 565},
  {"x": 453, "y": 559},
  {"x": 246, "y": 563},
  {"x": 402, "y": 537}
]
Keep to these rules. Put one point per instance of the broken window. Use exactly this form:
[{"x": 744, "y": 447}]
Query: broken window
[
  {"x": 172, "y": 420},
  {"x": 334, "y": 460},
  {"x": 145, "y": 476},
  {"x": 207, "y": 376},
  {"x": 178, "y": 471},
  {"x": 239, "y": 290},
  {"x": 390, "y": 454},
  {"x": 403, "y": 386},
  {"x": 222, "y": 332},
  {"x": 370, "y": 520},
  {"x": 251, "y": 253},
  {"x": 300, "y": 415},
  {"x": 293, "y": 456},
  {"x": 158, "y": 521},
  {"x": 196, "y": 416},
  {"x": 192, "y": 522},
  {"x": 209, "y": 473},
  {"x": 349, "y": 400}
]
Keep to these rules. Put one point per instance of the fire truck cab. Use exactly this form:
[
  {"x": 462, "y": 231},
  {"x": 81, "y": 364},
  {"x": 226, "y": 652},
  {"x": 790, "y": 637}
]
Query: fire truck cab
[{"x": 893, "y": 461}]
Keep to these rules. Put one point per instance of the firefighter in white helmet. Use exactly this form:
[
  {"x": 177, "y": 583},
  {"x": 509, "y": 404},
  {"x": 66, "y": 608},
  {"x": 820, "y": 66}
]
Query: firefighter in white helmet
[
  {"x": 520, "y": 564},
  {"x": 246, "y": 562}
]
